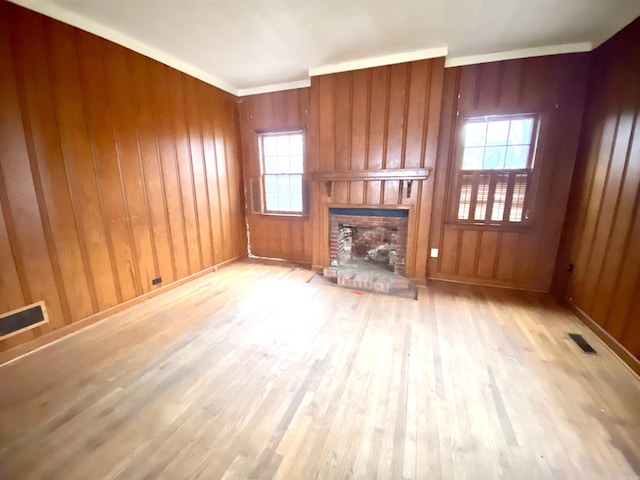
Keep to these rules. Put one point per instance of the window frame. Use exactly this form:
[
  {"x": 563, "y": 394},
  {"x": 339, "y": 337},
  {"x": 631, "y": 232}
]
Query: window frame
[
  {"x": 532, "y": 172},
  {"x": 261, "y": 134}
]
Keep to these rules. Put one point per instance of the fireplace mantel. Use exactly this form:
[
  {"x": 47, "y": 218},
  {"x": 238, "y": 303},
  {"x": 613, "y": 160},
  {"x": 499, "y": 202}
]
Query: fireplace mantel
[{"x": 387, "y": 174}]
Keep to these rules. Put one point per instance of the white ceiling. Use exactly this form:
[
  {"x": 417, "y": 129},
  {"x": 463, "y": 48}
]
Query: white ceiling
[{"x": 245, "y": 46}]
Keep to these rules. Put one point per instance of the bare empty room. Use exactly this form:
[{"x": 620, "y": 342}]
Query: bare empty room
[{"x": 310, "y": 239}]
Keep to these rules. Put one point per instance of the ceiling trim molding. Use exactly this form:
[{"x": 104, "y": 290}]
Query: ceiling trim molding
[
  {"x": 379, "y": 61},
  {"x": 522, "y": 53},
  {"x": 276, "y": 87},
  {"x": 57, "y": 12}
]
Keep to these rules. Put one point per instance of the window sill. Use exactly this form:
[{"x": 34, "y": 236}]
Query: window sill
[{"x": 302, "y": 216}]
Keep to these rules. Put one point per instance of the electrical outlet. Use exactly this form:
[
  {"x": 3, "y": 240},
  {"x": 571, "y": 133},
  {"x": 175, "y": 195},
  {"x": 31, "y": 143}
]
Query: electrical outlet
[
  {"x": 434, "y": 253},
  {"x": 156, "y": 281}
]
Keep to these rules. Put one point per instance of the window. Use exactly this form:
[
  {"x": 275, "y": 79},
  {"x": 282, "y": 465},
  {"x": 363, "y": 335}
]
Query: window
[
  {"x": 282, "y": 159},
  {"x": 494, "y": 178}
]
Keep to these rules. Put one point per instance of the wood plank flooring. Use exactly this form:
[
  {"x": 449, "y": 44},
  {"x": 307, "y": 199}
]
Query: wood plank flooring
[{"x": 250, "y": 372}]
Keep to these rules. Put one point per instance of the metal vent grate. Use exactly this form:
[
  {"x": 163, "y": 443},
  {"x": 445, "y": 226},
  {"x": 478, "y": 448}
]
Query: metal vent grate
[
  {"x": 582, "y": 343},
  {"x": 22, "y": 319}
]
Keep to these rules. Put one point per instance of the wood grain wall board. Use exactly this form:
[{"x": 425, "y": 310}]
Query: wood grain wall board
[
  {"x": 448, "y": 257},
  {"x": 627, "y": 182},
  {"x": 231, "y": 181},
  {"x": 326, "y": 121},
  {"x": 555, "y": 88},
  {"x": 619, "y": 295},
  {"x": 12, "y": 297},
  {"x": 417, "y": 108},
  {"x": 58, "y": 221},
  {"x": 343, "y": 105},
  {"x": 356, "y": 192},
  {"x": 612, "y": 228},
  {"x": 170, "y": 181},
  {"x": 70, "y": 128},
  {"x": 98, "y": 194},
  {"x": 217, "y": 223},
  {"x": 186, "y": 187},
  {"x": 151, "y": 168},
  {"x": 133, "y": 185},
  {"x": 486, "y": 255},
  {"x": 18, "y": 197},
  {"x": 397, "y": 116},
  {"x": 393, "y": 119},
  {"x": 511, "y": 83},
  {"x": 105, "y": 164},
  {"x": 274, "y": 236},
  {"x": 564, "y": 126},
  {"x": 602, "y": 227},
  {"x": 467, "y": 256},
  {"x": 378, "y": 117},
  {"x": 359, "y": 146}
]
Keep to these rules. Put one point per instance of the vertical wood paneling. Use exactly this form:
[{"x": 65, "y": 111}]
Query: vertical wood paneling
[
  {"x": 213, "y": 219},
  {"x": 555, "y": 88},
  {"x": 105, "y": 165},
  {"x": 417, "y": 110},
  {"x": 377, "y": 121},
  {"x": 12, "y": 296},
  {"x": 602, "y": 228},
  {"x": 184, "y": 172},
  {"x": 393, "y": 123},
  {"x": 137, "y": 214},
  {"x": 30, "y": 53},
  {"x": 151, "y": 168},
  {"x": 169, "y": 173},
  {"x": 19, "y": 200},
  {"x": 275, "y": 236},
  {"x": 486, "y": 254},
  {"x": 397, "y": 116},
  {"x": 467, "y": 255},
  {"x": 359, "y": 129},
  {"x": 106, "y": 172},
  {"x": 343, "y": 104}
]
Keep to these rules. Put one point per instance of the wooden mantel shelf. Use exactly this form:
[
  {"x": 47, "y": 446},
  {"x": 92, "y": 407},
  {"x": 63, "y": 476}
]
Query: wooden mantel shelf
[{"x": 388, "y": 174}]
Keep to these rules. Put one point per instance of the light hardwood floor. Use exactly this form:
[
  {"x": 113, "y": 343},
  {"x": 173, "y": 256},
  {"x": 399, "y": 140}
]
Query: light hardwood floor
[{"x": 251, "y": 372}]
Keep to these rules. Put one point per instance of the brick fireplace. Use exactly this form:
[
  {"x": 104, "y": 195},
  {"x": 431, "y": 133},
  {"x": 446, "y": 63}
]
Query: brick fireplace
[{"x": 374, "y": 235}]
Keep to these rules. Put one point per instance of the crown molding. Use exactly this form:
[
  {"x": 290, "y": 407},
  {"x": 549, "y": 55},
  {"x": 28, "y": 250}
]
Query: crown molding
[
  {"x": 277, "y": 87},
  {"x": 522, "y": 53},
  {"x": 379, "y": 61}
]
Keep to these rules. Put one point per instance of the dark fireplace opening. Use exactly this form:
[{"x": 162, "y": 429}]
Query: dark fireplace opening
[
  {"x": 368, "y": 248},
  {"x": 376, "y": 245}
]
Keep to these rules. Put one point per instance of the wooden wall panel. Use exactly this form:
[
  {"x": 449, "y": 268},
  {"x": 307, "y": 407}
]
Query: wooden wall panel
[
  {"x": 602, "y": 230},
  {"x": 114, "y": 169},
  {"x": 520, "y": 257},
  {"x": 275, "y": 236},
  {"x": 376, "y": 119}
]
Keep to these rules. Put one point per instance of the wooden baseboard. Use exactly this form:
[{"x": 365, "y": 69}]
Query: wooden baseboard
[
  {"x": 281, "y": 261},
  {"x": 44, "y": 340},
  {"x": 483, "y": 283},
  {"x": 619, "y": 350}
]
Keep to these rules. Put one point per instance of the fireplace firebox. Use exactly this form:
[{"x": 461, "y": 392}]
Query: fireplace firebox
[{"x": 369, "y": 236}]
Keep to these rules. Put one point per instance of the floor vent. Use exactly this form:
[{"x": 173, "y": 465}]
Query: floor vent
[
  {"x": 582, "y": 343},
  {"x": 21, "y": 319}
]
